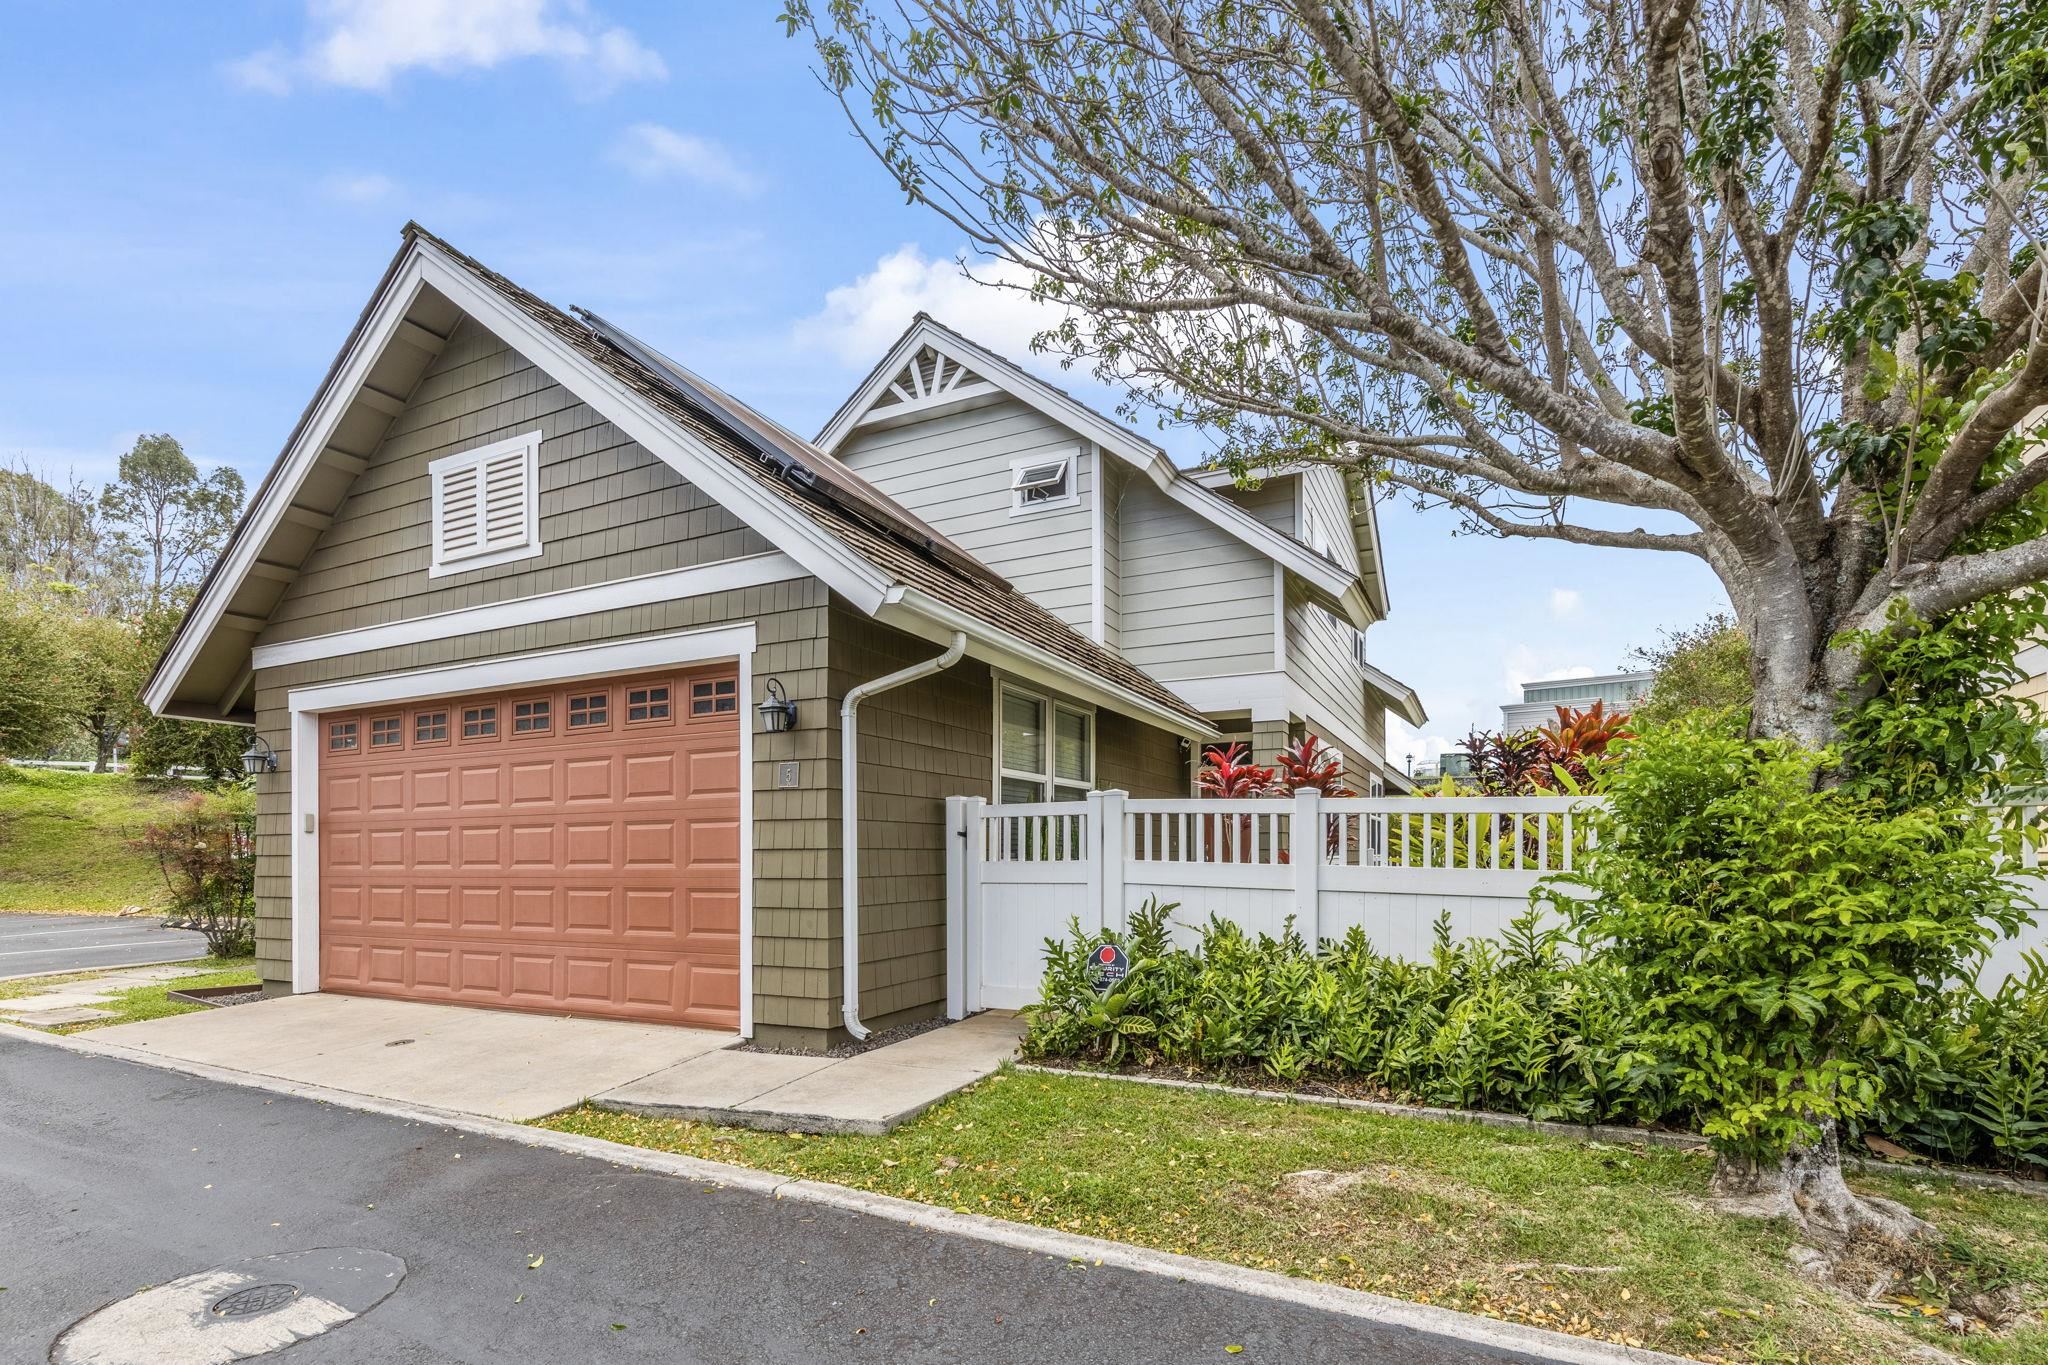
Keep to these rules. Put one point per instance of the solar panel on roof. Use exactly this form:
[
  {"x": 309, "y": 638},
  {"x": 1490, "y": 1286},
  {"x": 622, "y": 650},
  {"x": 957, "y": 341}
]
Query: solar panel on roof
[{"x": 791, "y": 456}]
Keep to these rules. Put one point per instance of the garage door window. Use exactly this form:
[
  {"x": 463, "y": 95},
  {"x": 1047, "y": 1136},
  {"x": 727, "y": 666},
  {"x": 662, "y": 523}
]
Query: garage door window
[
  {"x": 341, "y": 735},
  {"x": 589, "y": 711},
  {"x": 479, "y": 722},
  {"x": 386, "y": 731},
  {"x": 430, "y": 727},
  {"x": 644, "y": 704},
  {"x": 530, "y": 717},
  {"x": 719, "y": 698}
]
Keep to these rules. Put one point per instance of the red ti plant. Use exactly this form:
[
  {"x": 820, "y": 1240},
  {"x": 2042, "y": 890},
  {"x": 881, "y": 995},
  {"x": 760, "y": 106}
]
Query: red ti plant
[
  {"x": 1309, "y": 765},
  {"x": 1228, "y": 774},
  {"x": 1578, "y": 740}
]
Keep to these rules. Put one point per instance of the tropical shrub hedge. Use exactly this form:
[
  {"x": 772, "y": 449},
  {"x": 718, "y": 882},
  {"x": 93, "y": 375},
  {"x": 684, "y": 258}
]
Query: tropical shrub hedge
[{"x": 1515, "y": 1025}]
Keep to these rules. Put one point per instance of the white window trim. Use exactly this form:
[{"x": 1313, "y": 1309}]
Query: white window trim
[
  {"x": 529, "y": 545},
  {"x": 1069, "y": 462},
  {"x": 1045, "y": 777},
  {"x": 634, "y": 654}
]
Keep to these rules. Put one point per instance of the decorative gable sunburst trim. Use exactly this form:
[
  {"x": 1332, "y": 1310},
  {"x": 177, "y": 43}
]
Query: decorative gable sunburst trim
[
  {"x": 928, "y": 384},
  {"x": 1339, "y": 588}
]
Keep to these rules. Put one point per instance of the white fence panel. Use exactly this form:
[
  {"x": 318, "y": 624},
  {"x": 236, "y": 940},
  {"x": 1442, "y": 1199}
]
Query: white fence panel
[{"x": 1388, "y": 865}]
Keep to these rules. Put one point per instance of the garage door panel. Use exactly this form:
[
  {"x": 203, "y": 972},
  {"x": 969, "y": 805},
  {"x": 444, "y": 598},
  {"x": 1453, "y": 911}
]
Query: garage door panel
[
  {"x": 432, "y": 789},
  {"x": 533, "y": 783},
  {"x": 716, "y": 773},
  {"x": 588, "y": 909},
  {"x": 589, "y": 868},
  {"x": 649, "y": 776}
]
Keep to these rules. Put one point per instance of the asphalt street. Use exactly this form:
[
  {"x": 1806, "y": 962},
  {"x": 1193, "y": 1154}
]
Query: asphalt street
[
  {"x": 116, "y": 1176},
  {"x": 32, "y": 945}
]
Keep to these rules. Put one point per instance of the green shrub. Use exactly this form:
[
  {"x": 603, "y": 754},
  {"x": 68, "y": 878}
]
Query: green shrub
[
  {"x": 1977, "y": 1090},
  {"x": 206, "y": 850},
  {"x": 1780, "y": 935},
  {"x": 1514, "y": 1024}
]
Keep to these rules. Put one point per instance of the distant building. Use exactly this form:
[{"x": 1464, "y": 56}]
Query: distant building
[
  {"x": 1450, "y": 764},
  {"x": 1540, "y": 700}
]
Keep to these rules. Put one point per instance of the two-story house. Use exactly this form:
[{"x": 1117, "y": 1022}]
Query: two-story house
[{"x": 1252, "y": 604}]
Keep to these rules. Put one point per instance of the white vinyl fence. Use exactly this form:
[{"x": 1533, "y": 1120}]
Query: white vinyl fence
[{"x": 1017, "y": 874}]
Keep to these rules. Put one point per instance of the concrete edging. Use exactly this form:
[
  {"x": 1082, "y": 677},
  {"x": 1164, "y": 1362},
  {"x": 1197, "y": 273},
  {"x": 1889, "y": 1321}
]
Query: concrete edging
[
  {"x": 1592, "y": 1132},
  {"x": 1423, "y": 1318}
]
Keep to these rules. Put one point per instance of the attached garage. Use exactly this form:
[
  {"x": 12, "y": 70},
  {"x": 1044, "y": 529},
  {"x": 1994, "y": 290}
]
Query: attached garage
[
  {"x": 545, "y": 646},
  {"x": 573, "y": 849}
]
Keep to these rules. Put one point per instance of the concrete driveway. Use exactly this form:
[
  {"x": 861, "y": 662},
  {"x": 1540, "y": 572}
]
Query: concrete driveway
[
  {"x": 495, "y": 1062},
  {"x": 37, "y": 945}
]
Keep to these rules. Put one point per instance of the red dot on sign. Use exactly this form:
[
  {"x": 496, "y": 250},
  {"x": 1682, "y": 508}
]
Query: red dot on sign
[{"x": 1108, "y": 954}]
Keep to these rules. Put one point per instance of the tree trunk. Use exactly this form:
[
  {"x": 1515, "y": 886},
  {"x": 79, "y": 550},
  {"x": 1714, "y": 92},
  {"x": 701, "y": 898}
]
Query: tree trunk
[
  {"x": 1806, "y": 1186},
  {"x": 103, "y": 757},
  {"x": 1799, "y": 695}
]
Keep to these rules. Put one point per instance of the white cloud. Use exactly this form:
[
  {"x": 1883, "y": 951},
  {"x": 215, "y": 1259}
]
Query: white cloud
[
  {"x": 1404, "y": 742},
  {"x": 649, "y": 151},
  {"x": 364, "y": 44},
  {"x": 860, "y": 320},
  {"x": 349, "y": 188},
  {"x": 1525, "y": 663},
  {"x": 1565, "y": 602}
]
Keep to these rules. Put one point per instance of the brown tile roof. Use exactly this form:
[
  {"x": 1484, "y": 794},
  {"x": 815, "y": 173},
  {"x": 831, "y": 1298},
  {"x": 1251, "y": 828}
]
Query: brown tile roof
[{"x": 986, "y": 598}]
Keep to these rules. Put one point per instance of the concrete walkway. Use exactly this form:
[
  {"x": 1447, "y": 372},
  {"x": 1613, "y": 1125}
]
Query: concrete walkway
[
  {"x": 871, "y": 1092},
  {"x": 77, "y": 1002}
]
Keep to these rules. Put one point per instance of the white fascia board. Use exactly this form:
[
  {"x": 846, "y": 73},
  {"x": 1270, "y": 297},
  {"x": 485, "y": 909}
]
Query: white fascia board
[
  {"x": 1266, "y": 696},
  {"x": 568, "y": 664},
  {"x": 822, "y": 554},
  {"x": 1403, "y": 697},
  {"x": 666, "y": 586},
  {"x": 294, "y": 467},
  {"x": 838, "y": 565},
  {"x": 925, "y": 616}
]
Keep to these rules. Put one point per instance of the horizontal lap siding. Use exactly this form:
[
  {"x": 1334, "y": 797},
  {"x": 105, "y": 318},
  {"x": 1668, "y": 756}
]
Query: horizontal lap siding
[
  {"x": 954, "y": 472},
  {"x": 1197, "y": 601}
]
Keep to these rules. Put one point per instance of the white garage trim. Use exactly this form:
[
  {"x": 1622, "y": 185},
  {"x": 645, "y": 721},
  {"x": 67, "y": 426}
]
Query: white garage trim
[
  {"x": 632, "y": 655},
  {"x": 725, "y": 575}
]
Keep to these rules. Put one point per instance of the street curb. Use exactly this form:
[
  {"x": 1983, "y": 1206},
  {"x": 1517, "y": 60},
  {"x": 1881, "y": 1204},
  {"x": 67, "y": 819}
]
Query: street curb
[
  {"x": 1352, "y": 1303},
  {"x": 1591, "y": 1132}
]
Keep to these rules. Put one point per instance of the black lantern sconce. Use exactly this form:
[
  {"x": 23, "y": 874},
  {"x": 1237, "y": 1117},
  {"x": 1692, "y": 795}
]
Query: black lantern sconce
[
  {"x": 259, "y": 757},
  {"x": 778, "y": 712}
]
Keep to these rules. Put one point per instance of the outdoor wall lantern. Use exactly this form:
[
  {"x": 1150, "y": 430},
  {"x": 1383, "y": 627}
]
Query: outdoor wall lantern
[
  {"x": 778, "y": 712},
  {"x": 259, "y": 757}
]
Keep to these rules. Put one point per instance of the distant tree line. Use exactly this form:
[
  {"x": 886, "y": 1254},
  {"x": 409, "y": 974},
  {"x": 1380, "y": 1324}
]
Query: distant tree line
[{"x": 93, "y": 581}]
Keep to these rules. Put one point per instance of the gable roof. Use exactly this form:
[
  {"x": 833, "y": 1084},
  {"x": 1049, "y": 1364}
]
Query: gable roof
[
  {"x": 1336, "y": 586},
  {"x": 866, "y": 547}
]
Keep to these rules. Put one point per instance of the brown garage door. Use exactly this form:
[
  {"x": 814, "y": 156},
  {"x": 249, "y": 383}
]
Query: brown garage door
[{"x": 572, "y": 849}]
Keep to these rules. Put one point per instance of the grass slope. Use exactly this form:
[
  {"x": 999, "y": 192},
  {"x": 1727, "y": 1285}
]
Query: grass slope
[
  {"x": 1608, "y": 1241},
  {"x": 64, "y": 840}
]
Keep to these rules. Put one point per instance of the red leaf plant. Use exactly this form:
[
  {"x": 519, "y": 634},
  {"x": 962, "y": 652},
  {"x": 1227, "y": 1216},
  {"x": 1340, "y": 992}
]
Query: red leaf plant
[{"x": 1229, "y": 774}]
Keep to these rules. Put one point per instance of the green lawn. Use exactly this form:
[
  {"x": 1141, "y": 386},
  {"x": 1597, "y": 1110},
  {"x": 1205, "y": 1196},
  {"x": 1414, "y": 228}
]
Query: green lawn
[
  {"x": 143, "y": 1002},
  {"x": 1610, "y": 1241},
  {"x": 64, "y": 840}
]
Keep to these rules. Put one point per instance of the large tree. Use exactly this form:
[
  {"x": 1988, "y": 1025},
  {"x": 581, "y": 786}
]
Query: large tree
[
  {"x": 1757, "y": 283},
  {"x": 166, "y": 519}
]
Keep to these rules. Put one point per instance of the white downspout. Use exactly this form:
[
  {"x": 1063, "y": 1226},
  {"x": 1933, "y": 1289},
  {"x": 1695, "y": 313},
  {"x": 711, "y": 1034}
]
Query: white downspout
[{"x": 849, "y": 819}]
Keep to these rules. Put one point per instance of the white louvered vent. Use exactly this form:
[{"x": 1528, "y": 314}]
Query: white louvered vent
[{"x": 486, "y": 505}]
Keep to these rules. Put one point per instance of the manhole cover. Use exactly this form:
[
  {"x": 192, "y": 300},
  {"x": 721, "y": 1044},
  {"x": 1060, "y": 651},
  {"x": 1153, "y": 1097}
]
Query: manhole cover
[
  {"x": 257, "y": 1298},
  {"x": 233, "y": 1312}
]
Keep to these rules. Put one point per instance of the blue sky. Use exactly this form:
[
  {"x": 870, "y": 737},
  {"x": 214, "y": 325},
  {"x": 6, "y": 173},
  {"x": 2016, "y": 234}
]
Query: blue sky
[{"x": 199, "y": 199}]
